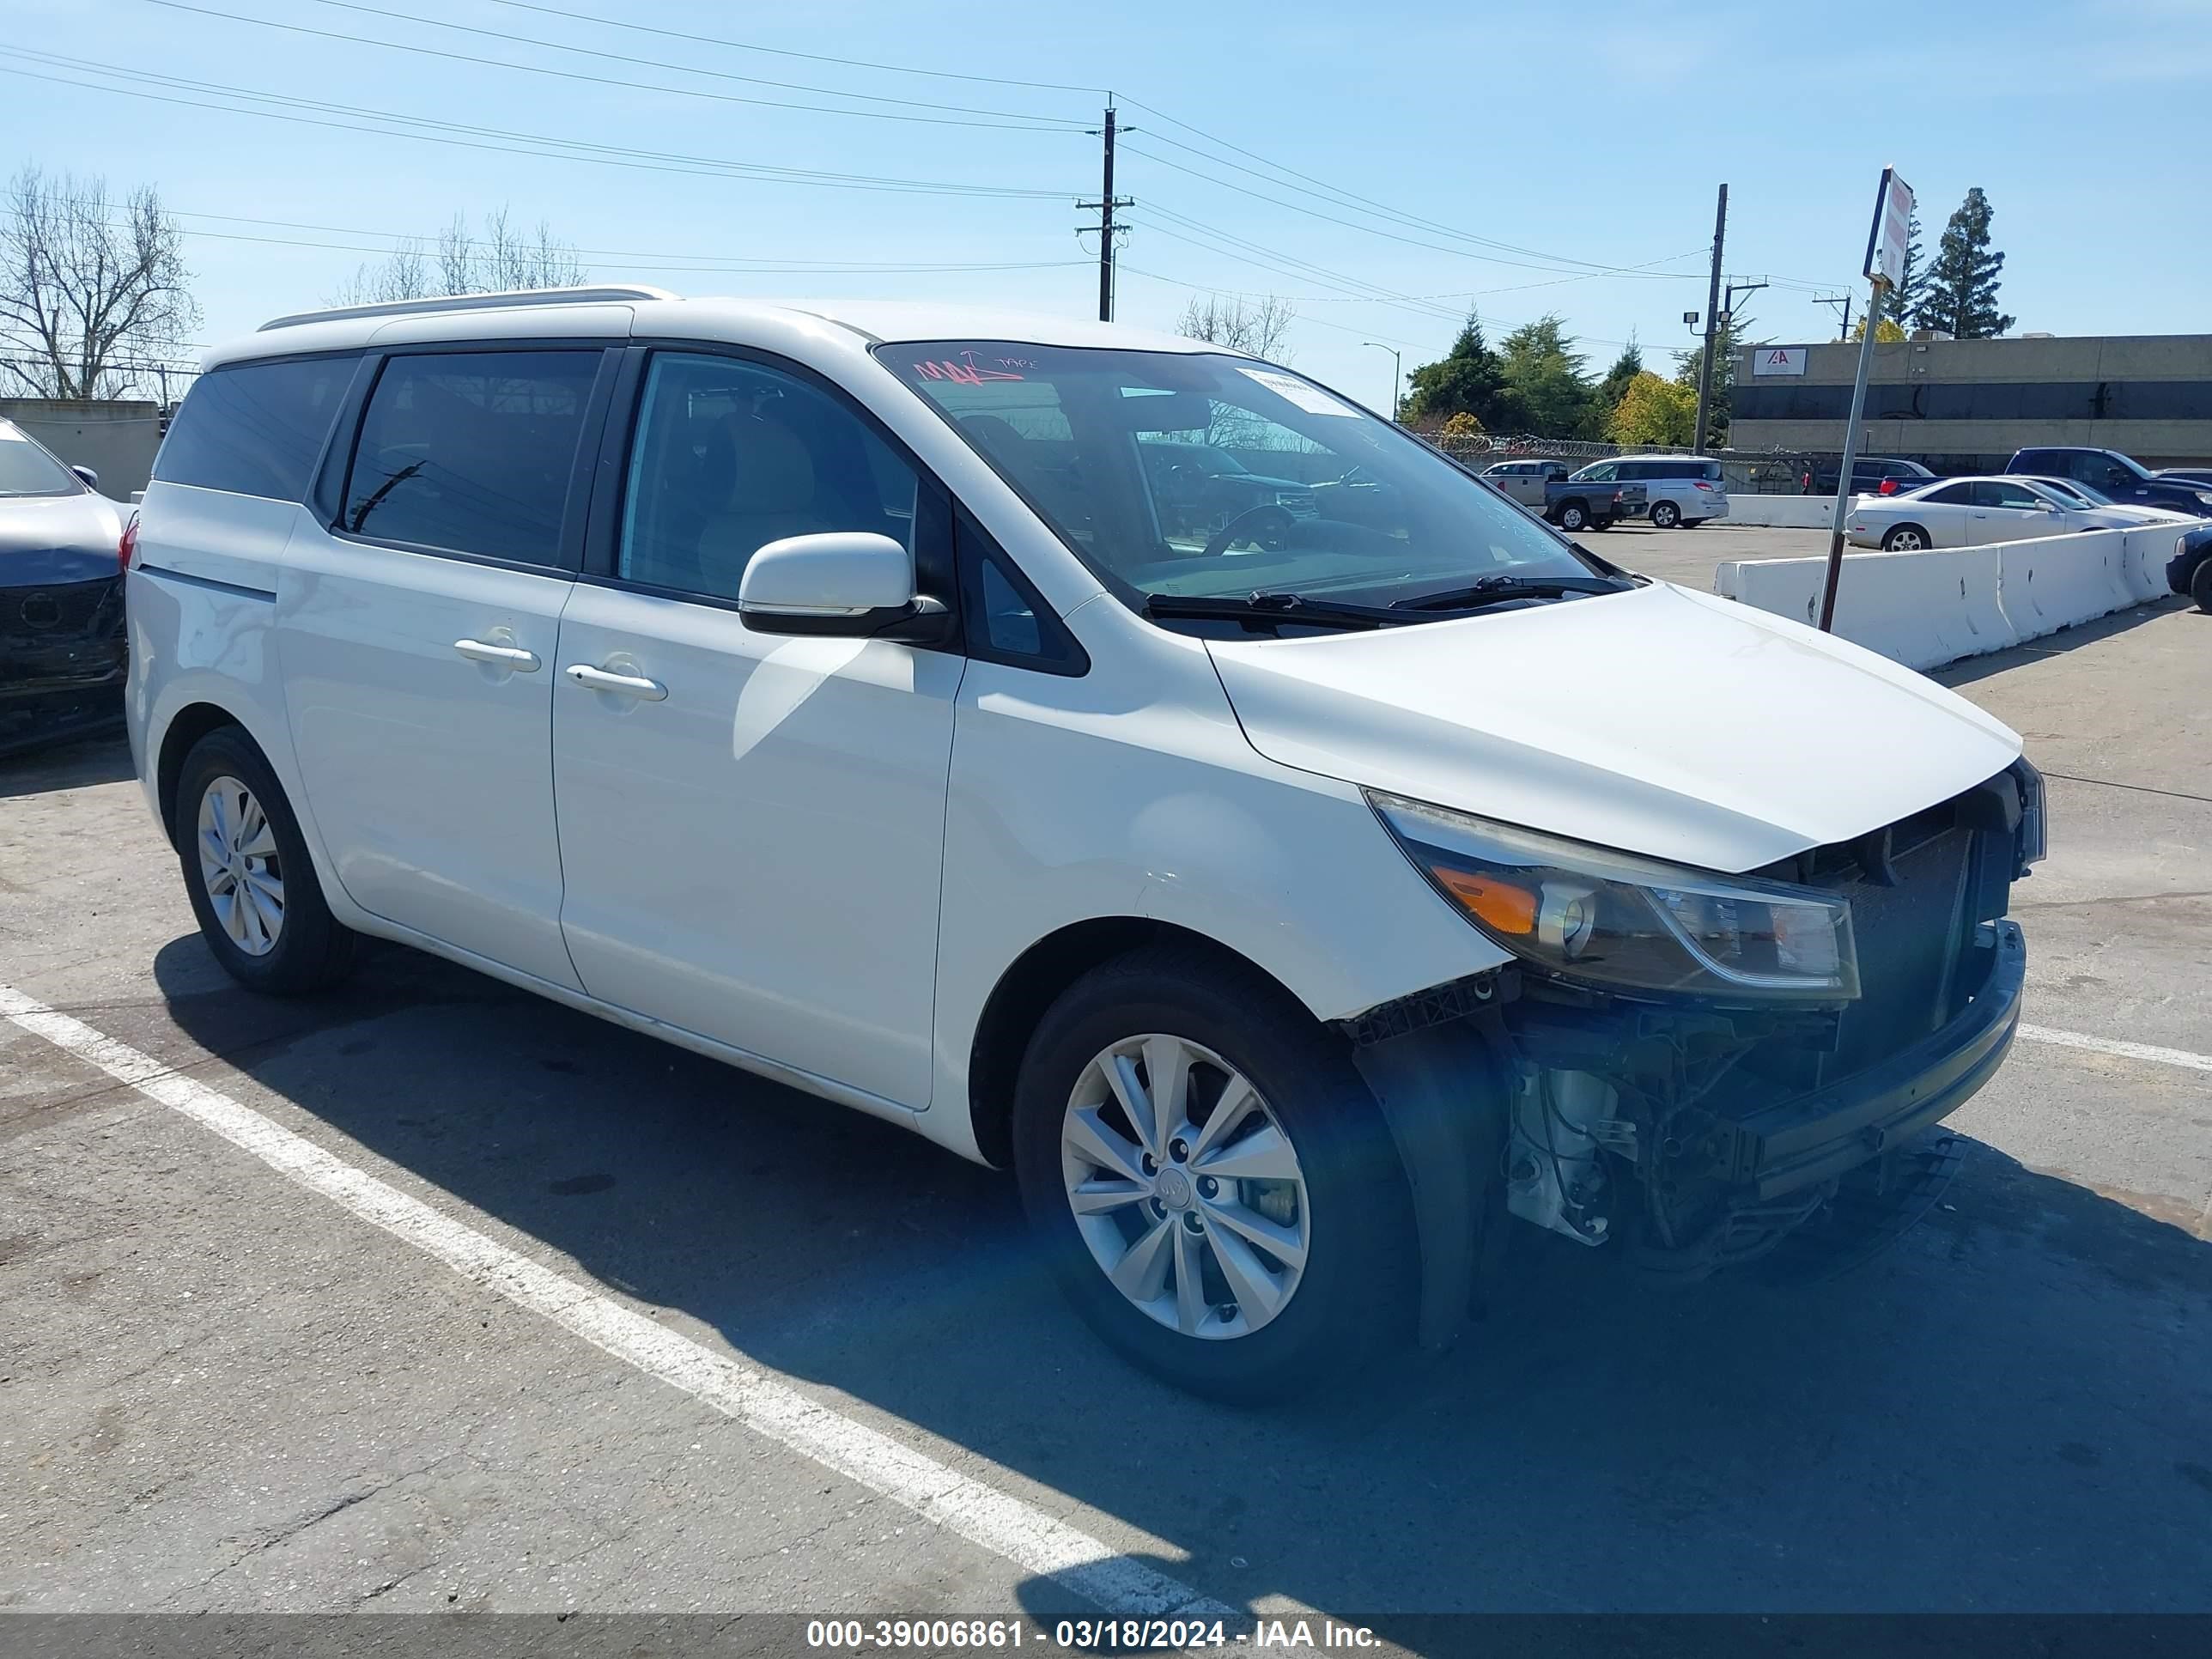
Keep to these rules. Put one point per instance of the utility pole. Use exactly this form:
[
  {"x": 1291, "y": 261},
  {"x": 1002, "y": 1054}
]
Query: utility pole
[
  {"x": 1844, "y": 299},
  {"x": 1106, "y": 206},
  {"x": 1397, "y": 372},
  {"x": 1712, "y": 321}
]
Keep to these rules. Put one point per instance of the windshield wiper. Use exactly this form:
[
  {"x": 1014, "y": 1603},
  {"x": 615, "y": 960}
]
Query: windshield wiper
[
  {"x": 1497, "y": 590},
  {"x": 1276, "y": 608}
]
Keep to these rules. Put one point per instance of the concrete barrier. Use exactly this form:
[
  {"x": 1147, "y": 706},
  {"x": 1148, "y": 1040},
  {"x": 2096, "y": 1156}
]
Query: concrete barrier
[
  {"x": 1927, "y": 609},
  {"x": 1920, "y": 608},
  {"x": 2055, "y": 583},
  {"x": 1781, "y": 512},
  {"x": 2149, "y": 551}
]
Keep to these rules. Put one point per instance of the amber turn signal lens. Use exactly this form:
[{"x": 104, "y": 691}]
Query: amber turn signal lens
[{"x": 1497, "y": 904}]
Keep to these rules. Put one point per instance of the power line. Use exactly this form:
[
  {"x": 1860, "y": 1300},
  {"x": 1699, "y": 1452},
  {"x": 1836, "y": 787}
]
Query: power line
[
  {"x": 1388, "y": 235},
  {"x": 757, "y": 268},
  {"x": 1263, "y": 258},
  {"x": 686, "y": 69},
  {"x": 1318, "y": 322},
  {"x": 516, "y": 143},
  {"x": 1032, "y": 125},
  {"x": 661, "y": 259},
  {"x": 1350, "y": 198},
  {"x": 785, "y": 51}
]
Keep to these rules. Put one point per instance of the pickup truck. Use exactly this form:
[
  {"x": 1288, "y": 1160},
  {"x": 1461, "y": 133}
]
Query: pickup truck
[
  {"x": 2127, "y": 481},
  {"x": 1574, "y": 503}
]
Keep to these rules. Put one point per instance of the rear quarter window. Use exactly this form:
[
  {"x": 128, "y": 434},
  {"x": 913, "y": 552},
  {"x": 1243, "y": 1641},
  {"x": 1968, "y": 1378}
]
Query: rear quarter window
[{"x": 255, "y": 429}]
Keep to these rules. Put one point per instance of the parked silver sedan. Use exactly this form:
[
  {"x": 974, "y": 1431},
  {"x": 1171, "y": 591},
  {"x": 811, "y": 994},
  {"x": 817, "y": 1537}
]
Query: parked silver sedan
[{"x": 1966, "y": 512}]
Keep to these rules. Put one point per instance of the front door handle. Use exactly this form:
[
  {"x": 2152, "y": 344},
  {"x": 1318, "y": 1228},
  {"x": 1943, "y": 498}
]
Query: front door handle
[
  {"x": 627, "y": 685},
  {"x": 505, "y": 656}
]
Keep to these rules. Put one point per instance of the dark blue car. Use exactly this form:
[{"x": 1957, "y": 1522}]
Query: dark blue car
[{"x": 62, "y": 646}]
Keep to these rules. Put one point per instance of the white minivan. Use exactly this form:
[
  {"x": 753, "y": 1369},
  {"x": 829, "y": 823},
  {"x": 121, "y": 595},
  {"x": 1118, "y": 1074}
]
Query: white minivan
[{"x": 1288, "y": 900}]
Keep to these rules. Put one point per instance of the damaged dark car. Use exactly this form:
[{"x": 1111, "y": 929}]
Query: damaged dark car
[{"x": 63, "y": 651}]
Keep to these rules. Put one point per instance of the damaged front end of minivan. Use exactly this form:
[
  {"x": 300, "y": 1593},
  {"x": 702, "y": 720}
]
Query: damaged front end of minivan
[{"x": 1704, "y": 1071}]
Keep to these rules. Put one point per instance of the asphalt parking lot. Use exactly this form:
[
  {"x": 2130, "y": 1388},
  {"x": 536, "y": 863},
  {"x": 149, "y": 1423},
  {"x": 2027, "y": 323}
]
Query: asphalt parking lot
[{"x": 509, "y": 1308}]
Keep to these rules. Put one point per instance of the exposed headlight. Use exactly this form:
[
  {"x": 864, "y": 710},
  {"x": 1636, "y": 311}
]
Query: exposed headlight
[
  {"x": 1612, "y": 919},
  {"x": 2203, "y": 499}
]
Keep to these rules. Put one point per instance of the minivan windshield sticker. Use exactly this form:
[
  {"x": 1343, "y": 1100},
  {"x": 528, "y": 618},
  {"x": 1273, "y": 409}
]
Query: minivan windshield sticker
[
  {"x": 967, "y": 372},
  {"x": 1310, "y": 398}
]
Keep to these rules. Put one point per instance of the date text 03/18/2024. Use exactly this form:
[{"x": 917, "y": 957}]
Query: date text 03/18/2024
[{"x": 1081, "y": 1635}]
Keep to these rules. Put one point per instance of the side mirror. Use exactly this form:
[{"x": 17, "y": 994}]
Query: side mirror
[
  {"x": 91, "y": 478},
  {"x": 853, "y": 583}
]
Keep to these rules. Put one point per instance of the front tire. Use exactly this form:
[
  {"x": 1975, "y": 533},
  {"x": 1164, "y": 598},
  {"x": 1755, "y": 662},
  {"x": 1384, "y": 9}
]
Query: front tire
[
  {"x": 1210, "y": 1180},
  {"x": 1905, "y": 539},
  {"x": 247, "y": 870},
  {"x": 1665, "y": 515},
  {"x": 1572, "y": 516},
  {"x": 2200, "y": 585}
]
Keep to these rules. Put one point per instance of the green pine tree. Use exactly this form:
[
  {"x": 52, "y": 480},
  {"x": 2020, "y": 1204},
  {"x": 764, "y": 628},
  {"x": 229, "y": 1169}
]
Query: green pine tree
[
  {"x": 1538, "y": 361},
  {"x": 1610, "y": 391},
  {"x": 1962, "y": 294},
  {"x": 1467, "y": 381},
  {"x": 1899, "y": 303}
]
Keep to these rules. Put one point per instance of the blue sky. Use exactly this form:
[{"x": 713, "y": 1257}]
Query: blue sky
[{"x": 1582, "y": 137}]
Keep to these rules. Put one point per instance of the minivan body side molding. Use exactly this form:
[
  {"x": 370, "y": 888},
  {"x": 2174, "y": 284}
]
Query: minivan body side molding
[{"x": 238, "y": 589}]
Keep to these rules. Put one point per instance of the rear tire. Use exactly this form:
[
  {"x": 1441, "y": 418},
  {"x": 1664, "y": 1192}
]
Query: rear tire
[
  {"x": 1665, "y": 515},
  {"x": 1905, "y": 539},
  {"x": 1572, "y": 516},
  {"x": 253, "y": 886},
  {"x": 1344, "y": 1286}
]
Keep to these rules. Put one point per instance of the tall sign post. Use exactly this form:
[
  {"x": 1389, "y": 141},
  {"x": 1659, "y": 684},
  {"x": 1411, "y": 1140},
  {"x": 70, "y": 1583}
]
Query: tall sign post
[{"x": 1885, "y": 264}]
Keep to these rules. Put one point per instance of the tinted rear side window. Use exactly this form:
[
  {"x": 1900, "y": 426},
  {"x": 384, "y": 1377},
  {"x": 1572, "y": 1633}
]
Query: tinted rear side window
[
  {"x": 471, "y": 452},
  {"x": 255, "y": 429}
]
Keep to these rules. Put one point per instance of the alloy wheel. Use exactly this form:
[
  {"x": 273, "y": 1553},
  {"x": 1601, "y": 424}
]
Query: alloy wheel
[
  {"x": 240, "y": 867},
  {"x": 1185, "y": 1187}
]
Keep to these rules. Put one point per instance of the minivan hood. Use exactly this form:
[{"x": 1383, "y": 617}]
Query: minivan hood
[{"x": 1657, "y": 720}]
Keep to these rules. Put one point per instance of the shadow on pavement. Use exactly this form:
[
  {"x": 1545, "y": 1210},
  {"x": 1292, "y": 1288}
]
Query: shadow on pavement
[
  {"x": 73, "y": 764},
  {"x": 1971, "y": 669},
  {"x": 2007, "y": 1413}
]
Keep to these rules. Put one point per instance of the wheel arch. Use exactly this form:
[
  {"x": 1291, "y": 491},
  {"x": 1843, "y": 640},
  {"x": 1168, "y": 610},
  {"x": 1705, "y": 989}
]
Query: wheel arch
[
  {"x": 1033, "y": 982},
  {"x": 186, "y": 729}
]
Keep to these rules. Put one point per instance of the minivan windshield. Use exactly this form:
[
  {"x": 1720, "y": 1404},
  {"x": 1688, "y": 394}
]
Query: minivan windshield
[
  {"x": 1191, "y": 476},
  {"x": 27, "y": 470}
]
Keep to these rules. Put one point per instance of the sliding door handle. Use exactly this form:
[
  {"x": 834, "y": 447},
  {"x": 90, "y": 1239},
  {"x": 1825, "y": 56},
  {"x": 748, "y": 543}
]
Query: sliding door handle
[
  {"x": 623, "y": 685},
  {"x": 503, "y": 656}
]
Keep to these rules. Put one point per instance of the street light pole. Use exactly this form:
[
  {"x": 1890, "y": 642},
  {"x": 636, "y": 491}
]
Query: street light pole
[{"x": 1397, "y": 372}]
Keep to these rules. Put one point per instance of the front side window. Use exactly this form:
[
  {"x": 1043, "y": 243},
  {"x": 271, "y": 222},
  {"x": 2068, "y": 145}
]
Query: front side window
[
  {"x": 26, "y": 469},
  {"x": 731, "y": 455},
  {"x": 1304, "y": 495},
  {"x": 1603, "y": 472},
  {"x": 255, "y": 429},
  {"x": 471, "y": 452},
  {"x": 1996, "y": 492}
]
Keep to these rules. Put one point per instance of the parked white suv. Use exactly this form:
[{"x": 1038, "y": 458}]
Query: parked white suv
[{"x": 1288, "y": 900}]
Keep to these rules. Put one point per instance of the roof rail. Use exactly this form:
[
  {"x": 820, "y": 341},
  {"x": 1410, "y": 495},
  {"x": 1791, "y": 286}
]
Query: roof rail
[{"x": 535, "y": 296}]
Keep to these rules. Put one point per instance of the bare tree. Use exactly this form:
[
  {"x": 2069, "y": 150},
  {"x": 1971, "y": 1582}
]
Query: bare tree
[
  {"x": 502, "y": 259},
  {"x": 90, "y": 288},
  {"x": 1258, "y": 329}
]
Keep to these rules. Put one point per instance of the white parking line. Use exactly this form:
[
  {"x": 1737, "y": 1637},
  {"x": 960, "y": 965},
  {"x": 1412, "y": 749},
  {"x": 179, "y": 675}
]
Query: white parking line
[
  {"x": 1037, "y": 1542},
  {"x": 2098, "y": 1045}
]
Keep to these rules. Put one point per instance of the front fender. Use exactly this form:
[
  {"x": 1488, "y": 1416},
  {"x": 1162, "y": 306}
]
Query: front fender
[{"x": 1066, "y": 806}]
